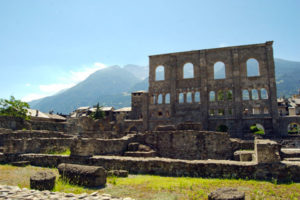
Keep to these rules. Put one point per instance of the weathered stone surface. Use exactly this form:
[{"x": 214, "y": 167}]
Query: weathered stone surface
[
  {"x": 21, "y": 163},
  {"x": 244, "y": 155},
  {"x": 14, "y": 192},
  {"x": 166, "y": 128},
  {"x": 42, "y": 181},
  {"x": 117, "y": 173},
  {"x": 90, "y": 176},
  {"x": 266, "y": 151},
  {"x": 226, "y": 194},
  {"x": 35, "y": 145},
  {"x": 189, "y": 144}
]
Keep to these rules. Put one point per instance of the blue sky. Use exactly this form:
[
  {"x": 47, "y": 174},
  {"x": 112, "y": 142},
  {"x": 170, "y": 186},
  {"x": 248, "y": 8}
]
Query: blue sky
[{"x": 48, "y": 45}]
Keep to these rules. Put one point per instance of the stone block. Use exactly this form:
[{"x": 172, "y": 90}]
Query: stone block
[
  {"x": 89, "y": 176},
  {"x": 266, "y": 151},
  {"x": 226, "y": 194},
  {"x": 82, "y": 147},
  {"x": 42, "y": 181},
  {"x": 20, "y": 163}
]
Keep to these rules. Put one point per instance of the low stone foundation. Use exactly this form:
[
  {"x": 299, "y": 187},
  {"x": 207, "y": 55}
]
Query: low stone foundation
[{"x": 282, "y": 171}]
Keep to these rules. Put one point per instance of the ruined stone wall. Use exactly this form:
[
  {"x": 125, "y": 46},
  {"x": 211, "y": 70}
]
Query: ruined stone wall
[
  {"x": 36, "y": 145},
  {"x": 203, "y": 98},
  {"x": 16, "y": 123},
  {"x": 190, "y": 145},
  {"x": 282, "y": 171},
  {"x": 8, "y": 134}
]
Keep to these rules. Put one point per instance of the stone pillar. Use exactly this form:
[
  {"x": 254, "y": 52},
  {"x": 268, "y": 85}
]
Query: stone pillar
[
  {"x": 204, "y": 93},
  {"x": 266, "y": 151},
  {"x": 237, "y": 94},
  {"x": 272, "y": 87}
]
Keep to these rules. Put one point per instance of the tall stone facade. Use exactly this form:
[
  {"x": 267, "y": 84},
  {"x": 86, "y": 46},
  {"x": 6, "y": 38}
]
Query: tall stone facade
[{"x": 222, "y": 89}]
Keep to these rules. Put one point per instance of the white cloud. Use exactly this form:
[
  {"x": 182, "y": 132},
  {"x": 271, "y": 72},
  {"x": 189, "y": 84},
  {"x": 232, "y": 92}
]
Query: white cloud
[
  {"x": 32, "y": 96},
  {"x": 223, "y": 44},
  {"x": 54, "y": 88},
  {"x": 69, "y": 80},
  {"x": 81, "y": 75}
]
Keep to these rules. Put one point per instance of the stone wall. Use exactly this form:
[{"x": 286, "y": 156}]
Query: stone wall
[
  {"x": 7, "y": 134},
  {"x": 174, "y": 99},
  {"x": 87, "y": 146},
  {"x": 36, "y": 145},
  {"x": 188, "y": 144},
  {"x": 283, "y": 171},
  {"x": 16, "y": 123}
]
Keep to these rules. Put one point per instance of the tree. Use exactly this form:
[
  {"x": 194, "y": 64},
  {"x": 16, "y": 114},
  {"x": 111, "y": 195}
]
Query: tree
[
  {"x": 14, "y": 108},
  {"x": 98, "y": 114}
]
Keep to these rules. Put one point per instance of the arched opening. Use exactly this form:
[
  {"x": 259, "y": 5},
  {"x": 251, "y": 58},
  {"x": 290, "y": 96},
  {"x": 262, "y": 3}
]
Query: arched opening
[
  {"x": 246, "y": 95},
  {"x": 167, "y": 114},
  {"x": 211, "y": 112},
  {"x": 219, "y": 70},
  {"x": 256, "y": 110},
  {"x": 197, "y": 97},
  {"x": 220, "y": 95},
  {"x": 160, "y": 73},
  {"x": 159, "y": 99},
  {"x": 221, "y": 112},
  {"x": 254, "y": 94},
  {"x": 167, "y": 98},
  {"x": 153, "y": 99},
  {"x": 212, "y": 96},
  {"x": 222, "y": 128},
  {"x": 133, "y": 129},
  {"x": 189, "y": 97},
  {"x": 293, "y": 128},
  {"x": 266, "y": 110},
  {"x": 252, "y": 67},
  {"x": 263, "y": 93},
  {"x": 159, "y": 114},
  {"x": 181, "y": 98},
  {"x": 188, "y": 70},
  {"x": 229, "y": 95},
  {"x": 257, "y": 129}
]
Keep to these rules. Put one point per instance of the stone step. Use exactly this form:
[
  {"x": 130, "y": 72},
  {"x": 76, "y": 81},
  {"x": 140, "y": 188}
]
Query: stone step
[
  {"x": 140, "y": 154},
  {"x": 292, "y": 159},
  {"x": 290, "y": 153}
]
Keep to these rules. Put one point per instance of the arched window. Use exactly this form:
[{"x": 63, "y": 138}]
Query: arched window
[
  {"x": 212, "y": 96},
  {"x": 188, "y": 70},
  {"x": 246, "y": 95},
  {"x": 167, "y": 98},
  {"x": 181, "y": 98},
  {"x": 160, "y": 73},
  {"x": 219, "y": 70},
  {"x": 254, "y": 94},
  {"x": 189, "y": 97},
  {"x": 154, "y": 99},
  {"x": 159, "y": 99},
  {"x": 252, "y": 67},
  {"x": 266, "y": 110},
  {"x": 197, "y": 97},
  {"x": 263, "y": 93},
  {"x": 229, "y": 95},
  {"x": 220, "y": 95}
]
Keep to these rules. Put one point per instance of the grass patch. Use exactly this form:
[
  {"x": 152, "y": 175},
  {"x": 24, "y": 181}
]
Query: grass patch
[
  {"x": 148, "y": 187},
  {"x": 65, "y": 152}
]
